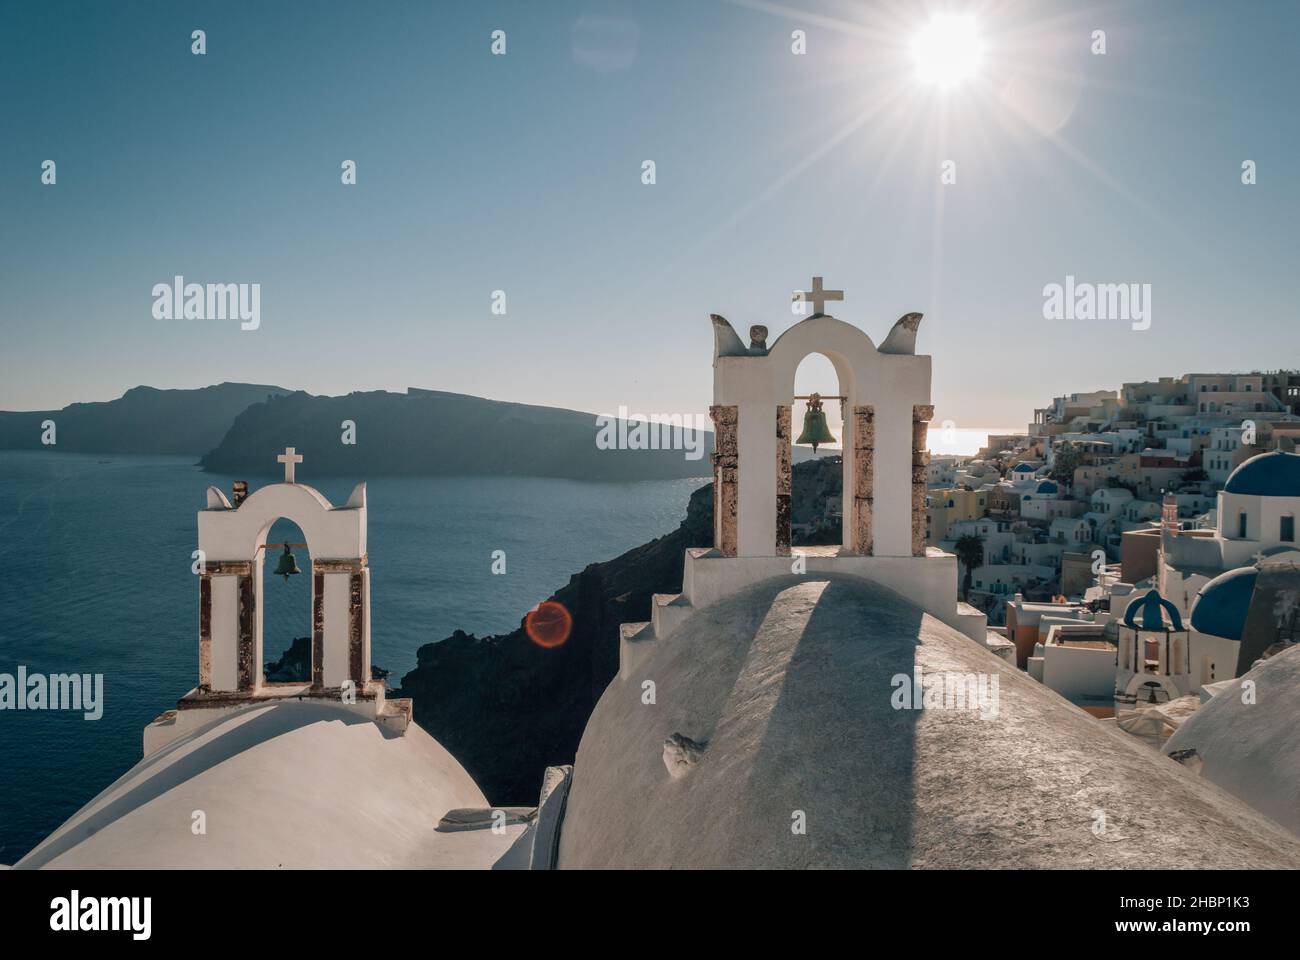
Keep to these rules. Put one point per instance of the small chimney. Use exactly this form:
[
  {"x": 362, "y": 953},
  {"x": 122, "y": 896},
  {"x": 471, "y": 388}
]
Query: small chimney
[{"x": 238, "y": 493}]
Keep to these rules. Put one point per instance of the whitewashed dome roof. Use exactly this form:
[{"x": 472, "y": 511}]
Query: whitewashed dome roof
[
  {"x": 1252, "y": 750},
  {"x": 788, "y": 684},
  {"x": 287, "y": 784}
]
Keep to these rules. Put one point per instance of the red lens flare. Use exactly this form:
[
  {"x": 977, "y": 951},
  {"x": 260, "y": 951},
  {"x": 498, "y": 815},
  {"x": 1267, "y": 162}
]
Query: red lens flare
[{"x": 549, "y": 625}]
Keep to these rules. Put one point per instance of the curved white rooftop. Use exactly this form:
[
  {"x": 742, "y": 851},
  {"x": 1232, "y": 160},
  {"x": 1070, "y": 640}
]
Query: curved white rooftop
[
  {"x": 788, "y": 686},
  {"x": 1252, "y": 750},
  {"x": 289, "y": 784}
]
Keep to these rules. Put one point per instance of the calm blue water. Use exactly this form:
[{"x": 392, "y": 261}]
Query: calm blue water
[{"x": 95, "y": 578}]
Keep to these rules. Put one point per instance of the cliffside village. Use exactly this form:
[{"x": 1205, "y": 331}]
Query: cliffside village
[{"x": 1186, "y": 485}]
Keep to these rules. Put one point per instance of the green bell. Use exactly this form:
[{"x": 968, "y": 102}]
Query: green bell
[
  {"x": 288, "y": 566},
  {"x": 815, "y": 430}
]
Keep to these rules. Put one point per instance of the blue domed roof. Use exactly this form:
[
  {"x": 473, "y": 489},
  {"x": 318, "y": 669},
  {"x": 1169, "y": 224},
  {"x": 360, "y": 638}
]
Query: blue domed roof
[
  {"x": 1047, "y": 486},
  {"x": 1275, "y": 474},
  {"x": 1221, "y": 607},
  {"x": 1146, "y": 613},
  {"x": 1026, "y": 468}
]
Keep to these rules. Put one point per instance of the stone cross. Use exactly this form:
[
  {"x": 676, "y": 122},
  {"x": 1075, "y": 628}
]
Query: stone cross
[
  {"x": 818, "y": 296},
  {"x": 289, "y": 458}
]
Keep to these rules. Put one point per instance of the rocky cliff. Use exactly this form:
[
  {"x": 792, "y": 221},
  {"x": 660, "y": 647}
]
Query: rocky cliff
[
  {"x": 143, "y": 420},
  {"x": 430, "y": 433},
  {"x": 507, "y": 708}
]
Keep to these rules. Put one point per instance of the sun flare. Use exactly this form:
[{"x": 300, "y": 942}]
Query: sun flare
[{"x": 947, "y": 50}]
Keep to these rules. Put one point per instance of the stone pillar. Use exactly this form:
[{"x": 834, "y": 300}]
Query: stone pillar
[
  {"x": 317, "y": 627},
  {"x": 357, "y": 667},
  {"x": 783, "y": 480},
  {"x": 922, "y": 414},
  {"x": 726, "y": 462},
  {"x": 864, "y": 451},
  {"x": 205, "y": 632},
  {"x": 250, "y": 671}
]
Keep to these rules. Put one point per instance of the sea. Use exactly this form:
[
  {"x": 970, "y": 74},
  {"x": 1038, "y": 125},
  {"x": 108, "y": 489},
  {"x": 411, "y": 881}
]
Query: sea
[{"x": 96, "y": 557}]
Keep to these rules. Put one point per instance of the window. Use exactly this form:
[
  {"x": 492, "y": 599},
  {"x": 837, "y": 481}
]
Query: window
[
  {"x": 1288, "y": 530},
  {"x": 1241, "y": 527}
]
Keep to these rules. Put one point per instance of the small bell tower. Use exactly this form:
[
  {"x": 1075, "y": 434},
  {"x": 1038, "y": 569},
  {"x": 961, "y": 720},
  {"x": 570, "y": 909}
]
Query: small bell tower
[
  {"x": 1153, "y": 663},
  {"x": 885, "y": 392},
  {"x": 233, "y": 547},
  {"x": 232, "y": 550}
]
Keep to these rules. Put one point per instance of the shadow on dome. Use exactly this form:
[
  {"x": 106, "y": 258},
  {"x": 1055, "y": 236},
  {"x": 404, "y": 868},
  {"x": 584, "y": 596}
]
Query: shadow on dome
[
  {"x": 786, "y": 689},
  {"x": 832, "y": 717}
]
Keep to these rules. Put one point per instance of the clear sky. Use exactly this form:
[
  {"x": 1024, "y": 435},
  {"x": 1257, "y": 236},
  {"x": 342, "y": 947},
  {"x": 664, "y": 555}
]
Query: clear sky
[{"x": 523, "y": 173}]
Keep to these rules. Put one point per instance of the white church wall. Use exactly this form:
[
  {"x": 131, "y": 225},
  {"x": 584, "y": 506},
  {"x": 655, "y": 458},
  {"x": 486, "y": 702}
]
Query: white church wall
[
  {"x": 330, "y": 532},
  {"x": 336, "y": 602},
  {"x": 1079, "y": 672},
  {"x": 225, "y": 633},
  {"x": 1212, "y": 658},
  {"x": 929, "y": 582},
  {"x": 756, "y": 465}
]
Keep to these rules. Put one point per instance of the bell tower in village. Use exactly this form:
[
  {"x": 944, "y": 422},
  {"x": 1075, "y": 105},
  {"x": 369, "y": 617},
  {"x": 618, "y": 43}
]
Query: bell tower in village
[{"x": 885, "y": 393}]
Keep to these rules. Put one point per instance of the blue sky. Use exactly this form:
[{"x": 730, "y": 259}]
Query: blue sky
[{"x": 523, "y": 173}]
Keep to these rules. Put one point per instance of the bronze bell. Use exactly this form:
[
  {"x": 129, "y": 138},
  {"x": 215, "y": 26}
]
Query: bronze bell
[
  {"x": 815, "y": 430},
  {"x": 288, "y": 566}
]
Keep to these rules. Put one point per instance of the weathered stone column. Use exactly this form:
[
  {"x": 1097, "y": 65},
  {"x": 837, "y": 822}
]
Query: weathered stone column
[
  {"x": 922, "y": 414},
  {"x": 249, "y": 669},
  {"x": 864, "y": 453},
  {"x": 783, "y": 480},
  {"x": 726, "y": 462},
  {"x": 205, "y": 632},
  {"x": 317, "y": 627},
  {"x": 356, "y": 624}
]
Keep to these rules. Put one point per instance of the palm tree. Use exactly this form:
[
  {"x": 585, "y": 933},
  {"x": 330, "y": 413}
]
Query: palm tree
[{"x": 970, "y": 554}]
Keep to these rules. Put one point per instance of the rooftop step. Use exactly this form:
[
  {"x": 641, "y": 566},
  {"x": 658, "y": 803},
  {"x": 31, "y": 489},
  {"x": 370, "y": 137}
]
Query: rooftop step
[
  {"x": 632, "y": 641},
  {"x": 667, "y": 612}
]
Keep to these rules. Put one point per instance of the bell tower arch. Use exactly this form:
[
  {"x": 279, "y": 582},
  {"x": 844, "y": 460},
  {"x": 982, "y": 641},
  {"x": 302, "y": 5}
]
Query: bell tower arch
[
  {"x": 233, "y": 549},
  {"x": 886, "y": 399}
]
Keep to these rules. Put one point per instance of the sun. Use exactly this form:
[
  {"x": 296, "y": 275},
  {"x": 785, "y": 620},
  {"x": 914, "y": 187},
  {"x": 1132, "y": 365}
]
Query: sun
[{"x": 947, "y": 50}]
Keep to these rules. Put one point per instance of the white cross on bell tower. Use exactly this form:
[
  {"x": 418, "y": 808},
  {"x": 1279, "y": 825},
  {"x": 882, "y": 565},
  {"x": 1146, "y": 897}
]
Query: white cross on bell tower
[
  {"x": 818, "y": 296},
  {"x": 290, "y": 458}
]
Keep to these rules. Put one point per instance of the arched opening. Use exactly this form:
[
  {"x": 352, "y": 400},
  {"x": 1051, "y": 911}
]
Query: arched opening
[
  {"x": 285, "y": 614},
  {"x": 817, "y": 494}
]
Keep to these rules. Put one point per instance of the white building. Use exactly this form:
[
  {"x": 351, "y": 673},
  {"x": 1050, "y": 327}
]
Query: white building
[{"x": 1256, "y": 514}]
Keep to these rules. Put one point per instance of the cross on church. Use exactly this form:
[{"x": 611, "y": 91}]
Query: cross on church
[
  {"x": 818, "y": 296},
  {"x": 289, "y": 458}
]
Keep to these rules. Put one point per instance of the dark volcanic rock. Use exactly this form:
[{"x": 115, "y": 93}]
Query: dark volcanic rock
[
  {"x": 142, "y": 421},
  {"x": 813, "y": 484},
  {"x": 433, "y": 433},
  {"x": 294, "y": 665},
  {"x": 507, "y": 708}
]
